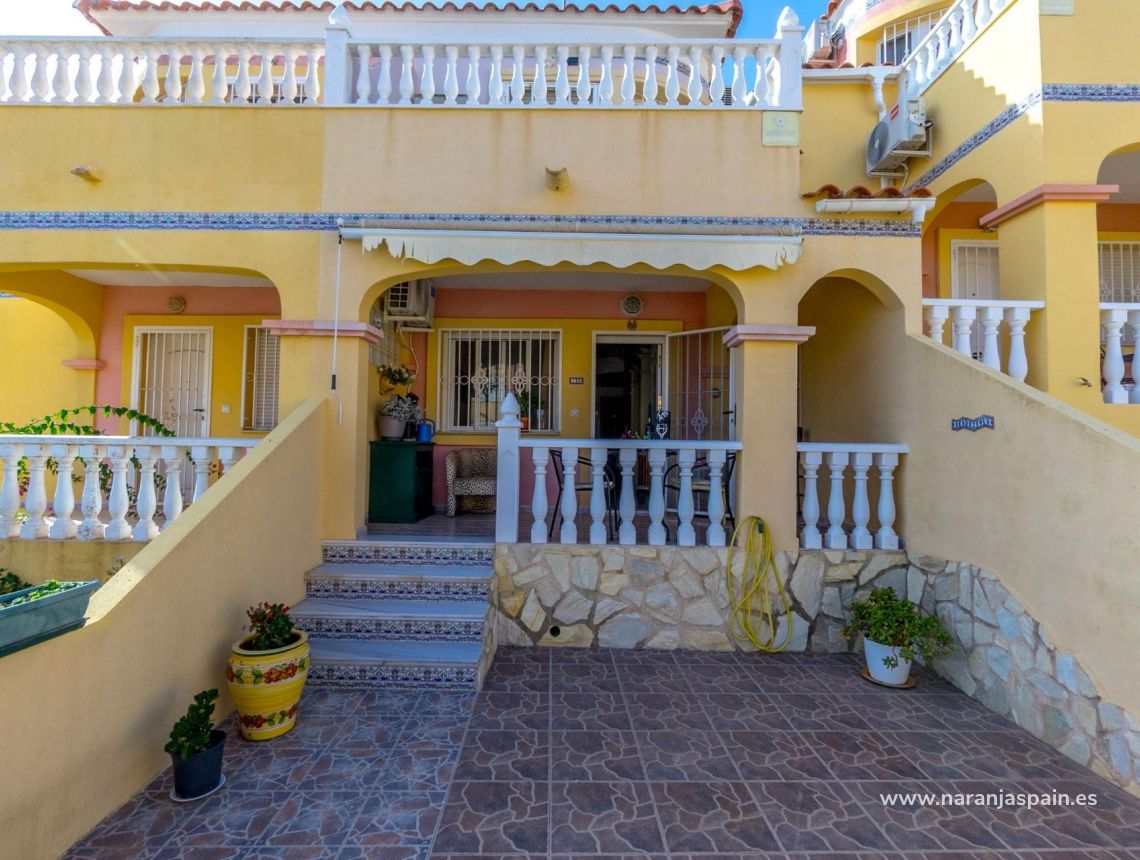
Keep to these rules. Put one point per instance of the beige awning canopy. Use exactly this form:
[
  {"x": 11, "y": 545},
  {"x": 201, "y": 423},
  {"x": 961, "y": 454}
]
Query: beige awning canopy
[{"x": 659, "y": 250}]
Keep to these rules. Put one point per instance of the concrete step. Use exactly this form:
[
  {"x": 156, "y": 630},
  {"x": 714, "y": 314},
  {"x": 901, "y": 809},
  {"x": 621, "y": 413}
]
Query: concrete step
[
  {"x": 374, "y": 663},
  {"x": 391, "y": 619},
  {"x": 421, "y": 551},
  {"x": 388, "y": 581}
]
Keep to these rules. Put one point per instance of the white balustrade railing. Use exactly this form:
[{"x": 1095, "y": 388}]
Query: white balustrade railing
[
  {"x": 106, "y": 71},
  {"x": 959, "y": 25},
  {"x": 611, "y": 466},
  {"x": 1119, "y": 324},
  {"x": 134, "y": 480},
  {"x": 975, "y": 327},
  {"x": 840, "y": 459}
]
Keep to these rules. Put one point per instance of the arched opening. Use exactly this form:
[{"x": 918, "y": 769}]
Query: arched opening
[
  {"x": 959, "y": 254},
  {"x": 1118, "y": 268}
]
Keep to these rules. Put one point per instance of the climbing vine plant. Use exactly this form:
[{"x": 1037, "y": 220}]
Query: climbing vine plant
[{"x": 66, "y": 421}]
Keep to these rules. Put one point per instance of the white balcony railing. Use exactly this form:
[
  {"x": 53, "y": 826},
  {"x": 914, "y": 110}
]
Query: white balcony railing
[
  {"x": 959, "y": 25},
  {"x": 134, "y": 479},
  {"x": 712, "y": 73},
  {"x": 1119, "y": 325},
  {"x": 975, "y": 328},
  {"x": 838, "y": 457},
  {"x": 696, "y": 486}
]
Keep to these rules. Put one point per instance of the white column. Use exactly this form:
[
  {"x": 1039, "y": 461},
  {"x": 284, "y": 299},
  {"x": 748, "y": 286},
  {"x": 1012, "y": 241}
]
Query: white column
[
  {"x": 337, "y": 75},
  {"x": 811, "y": 538},
  {"x": 1018, "y": 364},
  {"x": 91, "y": 502},
  {"x": 686, "y": 534},
  {"x": 991, "y": 319},
  {"x": 1134, "y": 324},
  {"x": 936, "y": 317},
  {"x": 886, "y": 538},
  {"x": 860, "y": 503},
  {"x": 836, "y": 508},
  {"x": 147, "y": 501},
  {"x": 656, "y": 496},
  {"x": 715, "y": 535},
  {"x": 598, "y": 507},
  {"x": 509, "y": 429},
  {"x": 1113, "y": 321},
  {"x": 200, "y": 454},
  {"x": 64, "y": 526},
  {"x": 627, "y": 533},
  {"x": 10, "y": 490},
  {"x": 569, "y": 531},
  {"x": 791, "y": 36},
  {"x": 173, "y": 457},
  {"x": 964, "y": 316},
  {"x": 539, "y": 504},
  {"x": 35, "y": 502},
  {"x": 119, "y": 501}
]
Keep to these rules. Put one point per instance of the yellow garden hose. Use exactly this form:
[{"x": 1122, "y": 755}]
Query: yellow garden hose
[{"x": 752, "y": 603}]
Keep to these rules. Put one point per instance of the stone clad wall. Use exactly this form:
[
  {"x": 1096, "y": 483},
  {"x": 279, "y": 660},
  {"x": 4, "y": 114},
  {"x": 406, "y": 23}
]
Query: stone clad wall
[{"x": 673, "y": 597}]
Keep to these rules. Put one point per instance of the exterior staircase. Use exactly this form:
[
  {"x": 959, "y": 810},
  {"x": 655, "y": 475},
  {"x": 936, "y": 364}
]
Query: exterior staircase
[{"x": 395, "y": 612}]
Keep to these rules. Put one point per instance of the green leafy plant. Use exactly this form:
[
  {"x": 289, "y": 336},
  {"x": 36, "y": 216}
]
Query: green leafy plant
[
  {"x": 191, "y": 734},
  {"x": 403, "y": 407},
  {"x": 270, "y": 625},
  {"x": 10, "y": 582},
  {"x": 66, "y": 422},
  {"x": 52, "y": 586},
  {"x": 886, "y": 618}
]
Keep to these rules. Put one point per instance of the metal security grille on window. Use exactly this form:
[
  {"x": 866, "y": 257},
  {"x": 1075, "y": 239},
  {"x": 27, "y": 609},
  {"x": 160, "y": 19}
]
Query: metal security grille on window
[
  {"x": 480, "y": 366},
  {"x": 263, "y": 354},
  {"x": 1120, "y": 272},
  {"x": 700, "y": 390},
  {"x": 898, "y": 38}
]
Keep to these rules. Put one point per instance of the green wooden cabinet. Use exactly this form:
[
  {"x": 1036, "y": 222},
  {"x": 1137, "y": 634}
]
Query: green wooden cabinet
[{"x": 399, "y": 484}]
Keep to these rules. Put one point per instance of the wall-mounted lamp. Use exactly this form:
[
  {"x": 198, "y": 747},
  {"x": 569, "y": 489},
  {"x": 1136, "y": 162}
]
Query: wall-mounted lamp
[
  {"x": 556, "y": 180},
  {"x": 91, "y": 174}
]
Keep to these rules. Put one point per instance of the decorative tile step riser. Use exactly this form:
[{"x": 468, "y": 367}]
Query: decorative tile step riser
[
  {"x": 394, "y": 629},
  {"x": 395, "y": 590},
  {"x": 424, "y": 677},
  {"x": 427, "y": 554}
]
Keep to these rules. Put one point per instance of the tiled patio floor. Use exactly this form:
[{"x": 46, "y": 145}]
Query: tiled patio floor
[{"x": 570, "y": 753}]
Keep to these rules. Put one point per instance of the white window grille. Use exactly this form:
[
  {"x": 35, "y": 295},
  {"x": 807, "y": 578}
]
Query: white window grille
[
  {"x": 974, "y": 270},
  {"x": 478, "y": 367},
  {"x": 900, "y": 37},
  {"x": 1119, "y": 271},
  {"x": 261, "y": 373},
  {"x": 387, "y": 349}
]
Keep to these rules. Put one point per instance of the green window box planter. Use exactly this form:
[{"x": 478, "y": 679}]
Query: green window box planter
[{"x": 28, "y": 623}]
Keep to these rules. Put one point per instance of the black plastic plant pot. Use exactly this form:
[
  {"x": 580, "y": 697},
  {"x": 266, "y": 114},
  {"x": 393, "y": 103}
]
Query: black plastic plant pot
[{"x": 200, "y": 774}]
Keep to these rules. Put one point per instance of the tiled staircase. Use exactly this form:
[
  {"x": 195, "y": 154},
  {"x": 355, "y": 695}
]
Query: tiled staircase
[{"x": 388, "y": 612}]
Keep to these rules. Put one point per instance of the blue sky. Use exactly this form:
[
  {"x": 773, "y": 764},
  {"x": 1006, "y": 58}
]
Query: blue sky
[{"x": 760, "y": 16}]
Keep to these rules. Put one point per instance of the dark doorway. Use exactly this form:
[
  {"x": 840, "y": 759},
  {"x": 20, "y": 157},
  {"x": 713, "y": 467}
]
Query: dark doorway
[{"x": 627, "y": 384}]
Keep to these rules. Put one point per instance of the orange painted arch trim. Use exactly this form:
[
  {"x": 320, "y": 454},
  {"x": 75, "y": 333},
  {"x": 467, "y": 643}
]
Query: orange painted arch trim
[{"x": 1045, "y": 194}]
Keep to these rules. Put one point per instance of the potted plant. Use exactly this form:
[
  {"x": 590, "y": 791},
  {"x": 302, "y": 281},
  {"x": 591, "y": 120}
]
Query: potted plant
[
  {"x": 893, "y": 633},
  {"x": 195, "y": 748},
  {"x": 395, "y": 415},
  {"x": 34, "y": 613},
  {"x": 523, "y": 397},
  {"x": 267, "y": 671}
]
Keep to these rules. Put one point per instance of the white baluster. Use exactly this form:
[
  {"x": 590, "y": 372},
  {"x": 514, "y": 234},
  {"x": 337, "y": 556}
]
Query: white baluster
[
  {"x": 715, "y": 535},
  {"x": 151, "y": 88},
  {"x": 598, "y": 507},
  {"x": 991, "y": 319},
  {"x": 738, "y": 88},
  {"x": 686, "y": 534},
  {"x": 1113, "y": 321},
  {"x": 656, "y": 496},
  {"x": 538, "y": 91},
  {"x": 173, "y": 93},
  {"x": 606, "y": 84},
  {"x": 969, "y": 25},
  {"x": 265, "y": 78},
  {"x": 105, "y": 83},
  {"x": 243, "y": 85},
  {"x": 146, "y": 503},
  {"x": 228, "y": 455},
  {"x": 672, "y": 77},
  {"x": 627, "y": 533},
  {"x": 474, "y": 87},
  {"x": 628, "y": 85},
  {"x": 119, "y": 501},
  {"x": 312, "y": 78},
  {"x": 91, "y": 502},
  {"x": 289, "y": 90},
  {"x": 964, "y": 316},
  {"x": 39, "y": 77},
  {"x": 562, "y": 78},
  {"x": 35, "y": 501},
  {"x": 18, "y": 81},
  {"x": 569, "y": 531},
  {"x": 860, "y": 503},
  {"x": 538, "y": 501},
  {"x": 836, "y": 508},
  {"x": 495, "y": 90},
  {"x": 384, "y": 81},
  {"x": 954, "y": 29},
  {"x": 127, "y": 81},
  {"x": 407, "y": 88},
  {"x": 811, "y": 538},
  {"x": 173, "y": 456},
  {"x": 451, "y": 75},
  {"x": 10, "y": 490},
  {"x": 61, "y": 80},
  {"x": 63, "y": 503},
  {"x": 649, "y": 88},
  {"x": 936, "y": 317},
  {"x": 196, "y": 82},
  {"x": 584, "y": 87},
  {"x": 218, "y": 84},
  {"x": 518, "y": 85},
  {"x": 1018, "y": 364},
  {"x": 695, "y": 87},
  {"x": 885, "y": 537},
  {"x": 427, "y": 76},
  {"x": 716, "y": 82},
  {"x": 200, "y": 454},
  {"x": 1134, "y": 324},
  {"x": 931, "y": 60},
  {"x": 982, "y": 15}
]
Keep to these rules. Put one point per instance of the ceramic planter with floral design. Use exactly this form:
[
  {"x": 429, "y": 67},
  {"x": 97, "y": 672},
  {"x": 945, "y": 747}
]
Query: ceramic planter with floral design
[{"x": 266, "y": 685}]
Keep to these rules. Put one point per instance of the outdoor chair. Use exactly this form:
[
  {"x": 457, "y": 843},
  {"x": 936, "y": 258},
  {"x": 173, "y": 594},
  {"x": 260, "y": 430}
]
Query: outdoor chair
[
  {"x": 609, "y": 486},
  {"x": 471, "y": 473},
  {"x": 702, "y": 486}
]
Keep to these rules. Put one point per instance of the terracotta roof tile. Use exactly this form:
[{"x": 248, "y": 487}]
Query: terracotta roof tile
[{"x": 862, "y": 192}]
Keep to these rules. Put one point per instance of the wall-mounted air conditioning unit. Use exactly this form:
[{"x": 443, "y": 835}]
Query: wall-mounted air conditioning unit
[
  {"x": 411, "y": 304},
  {"x": 903, "y": 135}
]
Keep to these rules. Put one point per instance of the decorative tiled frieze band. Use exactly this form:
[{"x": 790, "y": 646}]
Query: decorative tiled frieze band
[
  {"x": 383, "y": 553},
  {"x": 419, "y": 677},
  {"x": 379, "y": 589},
  {"x": 433, "y": 630}
]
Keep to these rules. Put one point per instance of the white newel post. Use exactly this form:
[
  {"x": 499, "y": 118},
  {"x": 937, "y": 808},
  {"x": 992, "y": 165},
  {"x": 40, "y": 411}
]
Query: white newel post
[
  {"x": 991, "y": 319},
  {"x": 598, "y": 507},
  {"x": 886, "y": 538},
  {"x": 1018, "y": 364},
  {"x": 509, "y": 429},
  {"x": 10, "y": 490},
  {"x": 539, "y": 505},
  {"x": 936, "y": 317},
  {"x": 35, "y": 502},
  {"x": 656, "y": 496},
  {"x": 686, "y": 534},
  {"x": 811, "y": 538},
  {"x": 627, "y": 533},
  {"x": 860, "y": 503},
  {"x": 119, "y": 501},
  {"x": 791, "y": 36},
  {"x": 1113, "y": 321},
  {"x": 91, "y": 502},
  {"x": 172, "y": 459},
  {"x": 64, "y": 526},
  {"x": 836, "y": 508},
  {"x": 1134, "y": 324},
  {"x": 964, "y": 316},
  {"x": 715, "y": 535},
  {"x": 568, "y": 533},
  {"x": 147, "y": 502}
]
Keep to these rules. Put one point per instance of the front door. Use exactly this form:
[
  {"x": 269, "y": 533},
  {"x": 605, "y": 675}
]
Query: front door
[
  {"x": 172, "y": 378},
  {"x": 628, "y": 389}
]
